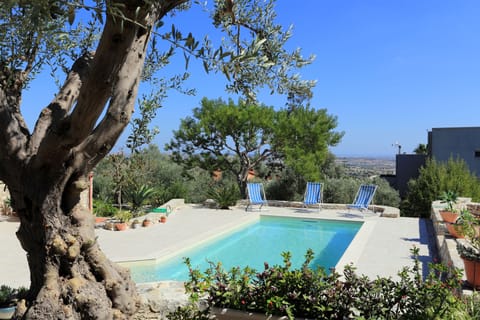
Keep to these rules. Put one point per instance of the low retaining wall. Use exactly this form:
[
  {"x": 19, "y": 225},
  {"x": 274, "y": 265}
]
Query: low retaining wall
[
  {"x": 383, "y": 211},
  {"x": 446, "y": 244}
]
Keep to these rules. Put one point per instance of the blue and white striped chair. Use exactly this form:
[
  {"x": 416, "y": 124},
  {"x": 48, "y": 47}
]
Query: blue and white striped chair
[
  {"x": 364, "y": 197},
  {"x": 256, "y": 195},
  {"x": 313, "y": 194}
]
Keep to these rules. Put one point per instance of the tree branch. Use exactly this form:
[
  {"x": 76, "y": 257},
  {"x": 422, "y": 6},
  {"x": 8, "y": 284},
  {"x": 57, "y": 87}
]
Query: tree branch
[
  {"x": 14, "y": 133},
  {"x": 59, "y": 108}
]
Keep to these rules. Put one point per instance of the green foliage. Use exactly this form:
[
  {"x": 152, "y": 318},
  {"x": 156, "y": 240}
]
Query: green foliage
[
  {"x": 285, "y": 185},
  {"x": 263, "y": 61},
  {"x": 434, "y": 179},
  {"x": 314, "y": 294},
  {"x": 141, "y": 133},
  {"x": 224, "y": 136},
  {"x": 303, "y": 136},
  {"x": 124, "y": 215},
  {"x": 385, "y": 194},
  {"x": 343, "y": 190},
  {"x": 9, "y": 295},
  {"x": 421, "y": 149},
  {"x": 224, "y": 194},
  {"x": 450, "y": 198},
  {"x": 468, "y": 225},
  {"x": 103, "y": 209},
  {"x": 238, "y": 138},
  {"x": 137, "y": 196},
  {"x": 195, "y": 182}
]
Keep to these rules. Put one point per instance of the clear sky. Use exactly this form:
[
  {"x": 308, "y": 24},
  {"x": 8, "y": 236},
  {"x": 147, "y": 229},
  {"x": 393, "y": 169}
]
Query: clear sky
[{"x": 389, "y": 70}]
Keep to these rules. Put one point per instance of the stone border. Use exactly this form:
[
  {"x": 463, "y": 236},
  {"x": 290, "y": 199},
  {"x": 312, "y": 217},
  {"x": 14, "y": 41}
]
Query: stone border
[
  {"x": 446, "y": 244},
  {"x": 384, "y": 211}
]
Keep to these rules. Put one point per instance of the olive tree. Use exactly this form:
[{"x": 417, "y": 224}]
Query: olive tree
[{"x": 46, "y": 167}]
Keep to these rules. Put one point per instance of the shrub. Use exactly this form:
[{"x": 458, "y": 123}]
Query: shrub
[
  {"x": 138, "y": 195},
  {"x": 314, "y": 294},
  {"x": 103, "y": 209},
  {"x": 225, "y": 195},
  {"x": 434, "y": 179},
  {"x": 344, "y": 190},
  {"x": 286, "y": 186}
]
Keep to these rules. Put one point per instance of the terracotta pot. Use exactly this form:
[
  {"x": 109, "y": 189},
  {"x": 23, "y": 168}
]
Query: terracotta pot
[
  {"x": 472, "y": 273},
  {"x": 454, "y": 230},
  {"x": 100, "y": 219},
  {"x": 121, "y": 226},
  {"x": 449, "y": 216},
  {"x": 163, "y": 219},
  {"x": 146, "y": 223}
]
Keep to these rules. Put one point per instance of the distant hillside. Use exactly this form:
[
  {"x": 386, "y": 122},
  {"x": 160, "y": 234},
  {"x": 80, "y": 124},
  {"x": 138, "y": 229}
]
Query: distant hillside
[{"x": 366, "y": 167}]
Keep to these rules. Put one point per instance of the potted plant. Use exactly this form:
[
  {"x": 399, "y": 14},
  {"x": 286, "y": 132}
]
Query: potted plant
[
  {"x": 109, "y": 226},
  {"x": 449, "y": 213},
  {"x": 469, "y": 247},
  {"x": 455, "y": 228},
  {"x": 123, "y": 217},
  {"x": 136, "y": 223},
  {"x": 146, "y": 222}
]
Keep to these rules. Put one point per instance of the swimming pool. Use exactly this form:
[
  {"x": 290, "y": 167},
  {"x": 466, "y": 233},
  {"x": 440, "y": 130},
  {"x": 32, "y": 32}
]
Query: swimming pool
[{"x": 254, "y": 244}]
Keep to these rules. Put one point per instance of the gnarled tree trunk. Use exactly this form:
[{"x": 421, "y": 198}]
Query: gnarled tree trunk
[{"x": 47, "y": 170}]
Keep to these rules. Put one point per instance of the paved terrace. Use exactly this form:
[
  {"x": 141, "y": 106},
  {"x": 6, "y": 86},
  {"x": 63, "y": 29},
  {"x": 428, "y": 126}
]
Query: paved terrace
[{"x": 381, "y": 247}]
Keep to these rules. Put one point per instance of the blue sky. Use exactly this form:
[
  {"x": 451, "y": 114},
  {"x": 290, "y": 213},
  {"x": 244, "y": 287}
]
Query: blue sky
[{"x": 389, "y": 70}]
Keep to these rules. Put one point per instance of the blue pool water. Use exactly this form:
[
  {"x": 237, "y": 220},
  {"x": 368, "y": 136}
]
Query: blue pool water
[{"x": 263, "y": 241}]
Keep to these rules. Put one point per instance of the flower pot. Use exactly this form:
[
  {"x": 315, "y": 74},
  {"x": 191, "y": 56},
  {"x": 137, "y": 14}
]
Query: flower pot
[
  {"x": 163, "y": 219},
  {"x": 100, "y": 219},
  {"x": 7, "y": 312},
  {"x": 449, "y": 216},
  {"x": 146, "y": 223},
  {"x": 472, "y": 272},
  {"x": 136, "y": 225},
  {"x": 454, "y": 230},
  {"x": 109, "y": 226},
  {"x": 121, "y": 226}
]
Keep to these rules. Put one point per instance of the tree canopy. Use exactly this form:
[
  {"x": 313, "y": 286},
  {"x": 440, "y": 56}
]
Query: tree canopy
[{"x": 238, "y": 137}]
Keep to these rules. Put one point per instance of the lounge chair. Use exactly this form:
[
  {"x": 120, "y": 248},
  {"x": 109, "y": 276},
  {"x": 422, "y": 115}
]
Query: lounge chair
[
  {"x": 256, "y": 195},
  {"x": 363, "y": 198},
  {"x": 313, "y": 194}
]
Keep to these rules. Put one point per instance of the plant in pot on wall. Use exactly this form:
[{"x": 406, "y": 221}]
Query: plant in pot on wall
[
  {"x": 146, "y": 222},
  {"x": 469, "y": 247},
  {"x": 449, "y": 214},
  {"x": 136, "y": 224},
  {"x": 455, "y": 229},
  {"x": 123, "y": 217}
]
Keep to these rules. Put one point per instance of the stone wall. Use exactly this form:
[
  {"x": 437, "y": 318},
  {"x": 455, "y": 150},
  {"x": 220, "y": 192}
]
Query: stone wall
[{"x": 446, "y": 244}]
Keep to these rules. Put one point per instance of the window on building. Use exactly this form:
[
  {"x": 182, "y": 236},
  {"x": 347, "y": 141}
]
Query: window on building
[{"x": 477, "y": 153}]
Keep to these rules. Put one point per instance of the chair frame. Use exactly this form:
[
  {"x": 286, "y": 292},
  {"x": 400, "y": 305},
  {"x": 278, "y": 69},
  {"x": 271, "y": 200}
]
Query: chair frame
[
  {"x": 261, "y": 200},
  {"x": 317, "y": 196},
  {"x": 362, "y": 201}
]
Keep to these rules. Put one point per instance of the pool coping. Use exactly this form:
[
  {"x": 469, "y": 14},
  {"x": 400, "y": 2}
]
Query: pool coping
[{"x": 350, "y": 255}]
